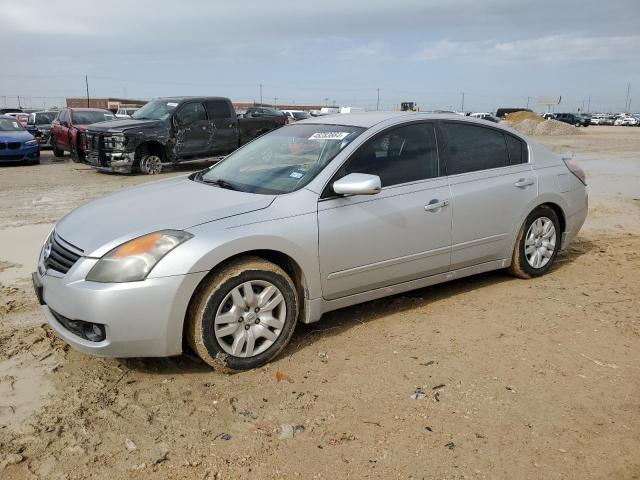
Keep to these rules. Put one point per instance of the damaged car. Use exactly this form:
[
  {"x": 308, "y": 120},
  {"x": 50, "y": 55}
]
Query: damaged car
[
  {"x": 173, "y": 131},
  {"x": 318, "y": 215}
]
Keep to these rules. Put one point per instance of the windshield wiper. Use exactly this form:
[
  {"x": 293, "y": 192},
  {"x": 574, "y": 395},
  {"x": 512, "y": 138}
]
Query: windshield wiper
[{"x": 218, "y": 182}]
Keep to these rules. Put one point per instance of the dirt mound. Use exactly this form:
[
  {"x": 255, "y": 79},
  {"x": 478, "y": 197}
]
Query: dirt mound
[
  {"x": 554, "y": 127},
  {"x": 528, "y": 126},
  {"x": 518, "y": 117}
]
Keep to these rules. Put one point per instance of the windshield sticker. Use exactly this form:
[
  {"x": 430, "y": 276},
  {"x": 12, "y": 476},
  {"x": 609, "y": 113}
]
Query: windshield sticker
[
  {"x": 172, "y": 104},
  {"x": 297, "y": 175},
  {"x": 329, "y": 136}
]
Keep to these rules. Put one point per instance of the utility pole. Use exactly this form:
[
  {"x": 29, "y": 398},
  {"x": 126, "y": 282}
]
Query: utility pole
[
  {"x": 86, "y": 82},
  {"x": 462, "y": 107},
  {"x": 589, "y": 105},
  {"x": 626, "y": 102},
  {"x": 528, "y": 98},
  {"x": 378, "y": 101},
  {"x": 19, "y": 106},
  {"x": 260, "y": 94},
  {"x": 275, "y": 102},
  {"x": 326, "y": 101}
]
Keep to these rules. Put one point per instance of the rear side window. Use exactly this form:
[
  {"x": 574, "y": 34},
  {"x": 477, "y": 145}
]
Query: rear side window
[
  {"x": 517, "y": 150},
  {"x": 404, "y": 154},
  {"x": 218, "y": 109},
  {"x": 472, "y": 148}
]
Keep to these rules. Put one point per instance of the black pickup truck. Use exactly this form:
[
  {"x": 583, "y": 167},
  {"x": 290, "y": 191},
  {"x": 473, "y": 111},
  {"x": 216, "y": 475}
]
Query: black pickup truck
[{"x": 172, "y": 131}]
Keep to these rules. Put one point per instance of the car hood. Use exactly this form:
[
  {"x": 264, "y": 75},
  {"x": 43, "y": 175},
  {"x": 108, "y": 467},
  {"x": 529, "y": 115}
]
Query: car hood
[
  {"x": 177, "y": 203},
  {"x": 21, "y": 136},
  {"x": 122, "y": 124}
]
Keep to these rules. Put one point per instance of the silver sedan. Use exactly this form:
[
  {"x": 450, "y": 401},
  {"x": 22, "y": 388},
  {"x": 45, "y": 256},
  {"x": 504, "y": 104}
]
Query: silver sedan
[{"x": 312, "y": 217}]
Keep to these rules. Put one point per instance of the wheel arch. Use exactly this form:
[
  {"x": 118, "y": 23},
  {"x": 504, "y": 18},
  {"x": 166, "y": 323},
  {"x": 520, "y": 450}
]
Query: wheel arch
[
  {"x": 281, "y": 259},
  {"x": 151, "y": 147}
]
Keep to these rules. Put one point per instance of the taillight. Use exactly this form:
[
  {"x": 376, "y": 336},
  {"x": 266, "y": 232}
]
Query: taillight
[
  {"x": 286, "y": 119},
  {"x": 574, "y": 168}
]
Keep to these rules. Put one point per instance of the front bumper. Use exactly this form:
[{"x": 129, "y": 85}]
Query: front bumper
[
  {"x": 141, "y": 319},
  {"x": 121, "y": 162},
  {"x": 23, "y": 154}
]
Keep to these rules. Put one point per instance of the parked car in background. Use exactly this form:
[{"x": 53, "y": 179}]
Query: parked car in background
[
  {"x": 68, "y": 127},
  {"x": 548, "y": 116},
  {"x": 574, "y": 119},
  {"x": 229, "y": 259},
  {"x": 296, "y": 115},
  {"x": 261, "y": 112},
  {"x": 4, "y": 111},
  {"x": 602, "y": 119},
  {"x": 16, "y": 144},
  {"x": 21, "y": 117},
  {"x": 39, "y": 125},
  {"x": 485, "y": 116},
  {"x": 126, "y": 112},
  {"x": 502, "y": 112},
  {"x": 627, "y": 121},
  {"x": 172, "y": 131}
]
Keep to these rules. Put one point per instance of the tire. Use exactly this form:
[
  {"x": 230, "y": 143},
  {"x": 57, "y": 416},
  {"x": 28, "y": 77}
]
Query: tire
[
  {"x": 223, "y": 296},
  {"x": 75, "y": 155},
  {"x": 151, "y": 164},
  {"x": 525, "y": 263},
  {"x": 58, "y": 153},
  {"x": 577, "y": 124}
]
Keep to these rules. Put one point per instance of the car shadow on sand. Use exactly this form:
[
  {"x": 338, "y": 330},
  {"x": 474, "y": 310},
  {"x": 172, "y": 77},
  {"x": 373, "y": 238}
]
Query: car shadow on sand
[{"x": 339, "y": 321}]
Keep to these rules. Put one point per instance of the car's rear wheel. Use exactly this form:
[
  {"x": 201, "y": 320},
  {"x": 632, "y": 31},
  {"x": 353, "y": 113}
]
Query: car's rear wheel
[
  {"x": 577, "y": 124},
  {"x": 537, "y": 244},
  {"x": 243, "y": 316},
  {"x": 151, "y": 164}
]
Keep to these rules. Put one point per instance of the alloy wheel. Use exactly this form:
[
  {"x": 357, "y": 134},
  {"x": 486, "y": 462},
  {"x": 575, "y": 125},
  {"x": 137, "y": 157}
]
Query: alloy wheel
[
  {"x": 540, "y": 242},
  {"x": 250, "y": 318}
]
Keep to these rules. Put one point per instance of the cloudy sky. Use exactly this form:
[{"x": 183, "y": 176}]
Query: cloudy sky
[{"x": 498, "y": 52}]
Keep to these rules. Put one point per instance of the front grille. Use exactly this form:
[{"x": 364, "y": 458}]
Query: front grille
[
  {"x": 95, "y": 149},
  {"x": 14, "y": 145},
  {"x": 62, "y": 255}
]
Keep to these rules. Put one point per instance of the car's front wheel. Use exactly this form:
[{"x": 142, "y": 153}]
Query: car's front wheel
[
  {"x": 243, "y": 316},
  {"x": 537, "y": 244}
]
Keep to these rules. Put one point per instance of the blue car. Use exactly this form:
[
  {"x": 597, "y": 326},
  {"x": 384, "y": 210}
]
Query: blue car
[{"x": 16, "y": 144}]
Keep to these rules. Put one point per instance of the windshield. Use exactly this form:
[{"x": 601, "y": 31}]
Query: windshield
[
  {"x": 282, "y": 161},
  {"x": 301, "y": 115},
  {"x": 44, "y": 118},
  {"x": 87, "y": 118},
  {"x": 7, "y": 125},
  {"x": 156, "y": 110}
]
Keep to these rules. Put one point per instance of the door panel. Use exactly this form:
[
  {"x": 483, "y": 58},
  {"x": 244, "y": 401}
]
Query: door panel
[
  {"x": 224, "y": 127},
  {"x": 487, "y": 207},
  {"x": 192, "y": 130},
  {"x": 370, "y": 242}
]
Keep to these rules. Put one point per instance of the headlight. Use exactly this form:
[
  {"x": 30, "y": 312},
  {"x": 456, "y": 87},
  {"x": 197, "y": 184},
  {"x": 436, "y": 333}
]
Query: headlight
[
  {"x": 132, "y": 261},
  {"x": 115, "y": 142},
  {"x": 30, "y": 143}
]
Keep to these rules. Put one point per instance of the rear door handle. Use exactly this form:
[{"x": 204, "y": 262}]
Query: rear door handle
[
  {"x": 436, "y": 204},
  {"x": 524, "y": 182}
]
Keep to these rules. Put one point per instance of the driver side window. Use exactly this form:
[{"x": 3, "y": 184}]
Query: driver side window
[
  {"x": 402, "y": 155},
  {"x": 190, "y": 113}
]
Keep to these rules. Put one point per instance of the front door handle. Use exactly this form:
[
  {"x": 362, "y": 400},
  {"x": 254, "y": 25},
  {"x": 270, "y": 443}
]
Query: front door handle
[
  {"x": 524, "y": 182},
  {"x": 436, "y": 204}
]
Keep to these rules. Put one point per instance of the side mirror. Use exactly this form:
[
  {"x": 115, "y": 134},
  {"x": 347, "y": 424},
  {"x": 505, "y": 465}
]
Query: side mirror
[{"x": 358, "y": 184}]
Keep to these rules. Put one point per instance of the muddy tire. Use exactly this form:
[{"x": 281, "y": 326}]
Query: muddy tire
[
  {"x": 537, "y": 244},
  {"x": 57, "y": 152},
  {"x": 242, "y": 316},
  {"x": 150, "y": 164}
]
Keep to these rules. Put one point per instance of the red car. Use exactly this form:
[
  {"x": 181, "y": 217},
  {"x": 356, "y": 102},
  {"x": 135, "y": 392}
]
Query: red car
[{"x": 68, "y": 127}]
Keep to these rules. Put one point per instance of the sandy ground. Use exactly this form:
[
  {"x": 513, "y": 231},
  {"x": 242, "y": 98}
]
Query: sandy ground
[{"x": 522, "y": 379}]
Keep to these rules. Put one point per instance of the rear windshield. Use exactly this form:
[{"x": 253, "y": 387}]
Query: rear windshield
[
  {"x": 87, "y": 118},
  {"x": 282, "y": 161}
]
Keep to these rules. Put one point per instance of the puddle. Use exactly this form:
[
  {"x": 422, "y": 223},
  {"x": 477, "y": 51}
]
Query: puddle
[
  {"x": 19, "y": 250},
  {"x": 24, "y": 386}
]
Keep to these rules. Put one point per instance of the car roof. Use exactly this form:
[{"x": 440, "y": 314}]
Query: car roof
[
  {"x": 85, "y": 109},
  {"x": 181, "y": 99},
  {"x": 369, "y": 119}
]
